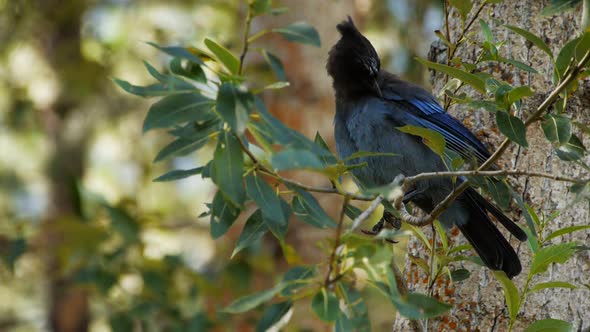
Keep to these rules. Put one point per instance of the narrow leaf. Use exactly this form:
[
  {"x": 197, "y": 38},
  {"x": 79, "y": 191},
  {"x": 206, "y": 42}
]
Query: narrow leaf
[
  {"x": 552, "y": 284},
  {"x": 273, "y": 315},
  {"x": 307, "y": 208},
  {"x": 179, "y": 52},
  {"x": 434, "y": 140},
  {"x": 229, "y": 108},
  {"x": 558, "y": 253},
  {"x": 224, "y": 55},
  {"x": 178, "y": 174},
  {"x": 177, "y": 109},
  {"x": 266, "y": 198},
  {"x": 510, "y": 293},
  {"x": 276, "y": 65},
  {"x": 253, "y": 230},
  {"x": 565, "y": 231},
  {"x": 228, "y": 167},
  {"x": 532, "y": 38},
  {"x": 252, "y": 301},
  {"x": 550, "y": 325},
  {"x": 463, "y": 76},
  {"x": 223, "y": 215},
  {"x": 325, "y": 305},
  {"x": 295, "y": 159},
  {"x": 572, "y": 150}
]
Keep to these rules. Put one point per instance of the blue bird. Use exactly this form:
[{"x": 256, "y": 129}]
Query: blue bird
[{"x": 370, "y": 104}]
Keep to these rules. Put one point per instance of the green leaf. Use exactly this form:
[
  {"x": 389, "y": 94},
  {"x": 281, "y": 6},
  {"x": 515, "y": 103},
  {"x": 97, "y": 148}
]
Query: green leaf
[
  {"x": 275, "y": 64},
  {"x": 356, "y": 316},
  {"x": 190, "y": 70},
  {"x": 365, "y": 154},
  {"x": 420, "y": 306},
  {"x": 565, "y": 231},
  {"x": 178, "y": 174},
  {"x": 224, "y": 55},
  {"x": 253, "y": 230},
  {"x": 228, "y": 167},
  {"x": 558, "y": 253},
  {"x": 296, "y": 278},
  {"x": 154, "y": 90},
  {"x": 572, "y": 150},
  {"x": 464, "y": 7},
  {"x": 564, "y": 58},
  {"x": 223, "y": 215},
  {"x": 557, "y": 128},
  {"x": 510, "y": 293},
  {"x": 230, "y": 107},
  {"x": 550, "y": 325},
  {"x": 307, "y": 208},
  {"x": 552, "y": 284},
  {"x": 276, "y": 85},
  {"x": 273, "y": 315},
  {"x": 499, "y": 191},
  {"x": 559, "y": 6},
  {"x": 268, "y": 201},
  {"x": 463, "y": 76},
  {"x": 460, "y": 275},
  {"x": 325, "y": 304},
  {"x": 352, "y": 211},
  {"x": 295, "y": 159},
  {"x": 327, "y": 158},
  {"x": 434, "y": 140},
  {"x": 179, "y": 52},
  {"x": 583, "y": 45},
  {"x": 124, "y": 224},
  {"x": 532, "y": 38},
  {"x": 486, "y": 31},
  {"x": 252, "y": 301},
  {"x": 260, "y": 7},
  {"x": 183, "y": 146},
  {"x": 519, "y": 64},
  {"x": 520, "y": 92},
  {"x": 512, "y": 127},
  {"x": 300, "y": 32},
  {"x": 177, "y": 109}
]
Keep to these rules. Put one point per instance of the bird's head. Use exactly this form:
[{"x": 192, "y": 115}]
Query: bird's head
[{"x": 353, "y": 63}]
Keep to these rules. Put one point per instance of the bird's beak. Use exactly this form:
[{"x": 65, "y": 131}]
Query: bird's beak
[{"x": 377, "y": 89}]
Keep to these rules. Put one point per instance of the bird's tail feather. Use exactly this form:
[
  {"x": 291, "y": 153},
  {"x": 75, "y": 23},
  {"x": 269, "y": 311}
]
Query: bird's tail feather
[{"x": 486, "y": 239}]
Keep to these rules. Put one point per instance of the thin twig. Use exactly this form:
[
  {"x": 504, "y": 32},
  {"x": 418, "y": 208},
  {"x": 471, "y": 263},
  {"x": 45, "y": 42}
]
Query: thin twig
[
  {"x": 332, "y": 265},
  {"x": 467, "y": 27},
  {"x": 477, "y": 172},
  {"x": 246, "y": 41}
]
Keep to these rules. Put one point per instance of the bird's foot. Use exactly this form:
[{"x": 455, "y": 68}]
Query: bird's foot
[{"x": 388, "y": 218}]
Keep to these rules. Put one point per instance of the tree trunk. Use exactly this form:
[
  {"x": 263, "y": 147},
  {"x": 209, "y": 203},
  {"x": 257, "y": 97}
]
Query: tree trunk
[{"x": 478, "y": 302}]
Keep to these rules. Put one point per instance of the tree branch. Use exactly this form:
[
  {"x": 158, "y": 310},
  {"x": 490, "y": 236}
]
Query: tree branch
[{"x": 332, "y": 265}]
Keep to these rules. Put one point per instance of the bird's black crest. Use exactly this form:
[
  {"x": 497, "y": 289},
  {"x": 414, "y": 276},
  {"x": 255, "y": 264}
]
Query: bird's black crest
[{"x": 347, "y": 27}]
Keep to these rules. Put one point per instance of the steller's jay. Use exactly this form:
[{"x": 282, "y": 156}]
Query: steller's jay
[{"x": 370, "y": 104}]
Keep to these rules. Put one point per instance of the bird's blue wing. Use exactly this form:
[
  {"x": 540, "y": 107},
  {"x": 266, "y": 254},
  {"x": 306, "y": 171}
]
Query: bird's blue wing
[{"x": 423, "y": 110}]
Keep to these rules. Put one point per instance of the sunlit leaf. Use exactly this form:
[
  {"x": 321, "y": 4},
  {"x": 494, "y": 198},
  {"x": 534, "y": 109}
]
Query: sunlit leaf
[
  {"x": 512, "y": 127},
  {"x": 567, "y": 230},
  {"x": 510, "y": 293},
  {"x": 550, "y": 325},
  {"x": 179, "y": 52},
  {"x": 464, "y": 7},
  {"x": 300, "y": 32},
  {"x": 154, "y": 90},
  {"x": 229, "y": 60},
  {"x": 434, "y": 140},
  {"x": 552, "y": 284},
  {"x": 558, "y": 253}
]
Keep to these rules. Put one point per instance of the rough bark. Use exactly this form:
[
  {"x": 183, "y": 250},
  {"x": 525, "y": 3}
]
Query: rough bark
[{"x": 478, "y": 303}]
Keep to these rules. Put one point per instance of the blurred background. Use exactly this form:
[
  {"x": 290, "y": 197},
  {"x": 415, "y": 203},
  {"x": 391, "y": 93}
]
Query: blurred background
[{"x": 87, "y": 240}]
